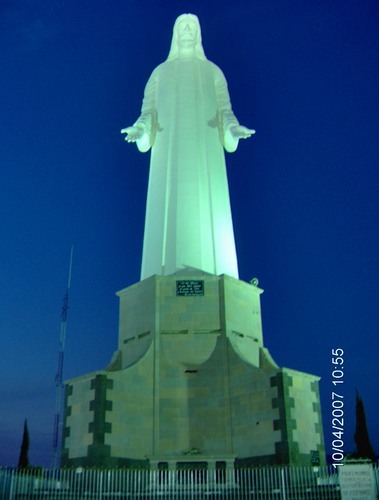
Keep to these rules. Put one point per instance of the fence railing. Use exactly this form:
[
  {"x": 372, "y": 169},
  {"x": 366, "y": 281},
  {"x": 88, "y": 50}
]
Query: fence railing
[{"x": 289, "y": 483}]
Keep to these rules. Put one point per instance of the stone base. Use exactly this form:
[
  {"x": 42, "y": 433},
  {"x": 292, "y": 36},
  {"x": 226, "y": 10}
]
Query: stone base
[{"x": 191, "y": 378}]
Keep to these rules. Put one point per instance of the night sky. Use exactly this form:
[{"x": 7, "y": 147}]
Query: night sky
[{"x": 304, "y": 190}]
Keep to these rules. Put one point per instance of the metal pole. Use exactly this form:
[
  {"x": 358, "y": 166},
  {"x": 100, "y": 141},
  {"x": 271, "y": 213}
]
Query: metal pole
[{"x": 58, "y": 423}]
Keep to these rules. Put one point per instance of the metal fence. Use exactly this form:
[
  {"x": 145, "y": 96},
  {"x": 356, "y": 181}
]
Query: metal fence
[{"x": 287, "y": 483}]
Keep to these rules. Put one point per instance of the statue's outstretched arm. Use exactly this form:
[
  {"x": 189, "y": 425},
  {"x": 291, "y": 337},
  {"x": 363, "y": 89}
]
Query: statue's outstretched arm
[
  {"x": 231, "y": 130},
  {"x": 143, "y": 130},
  {"x": 140, "y": 133},
  {"x": 233, "y": 134}
]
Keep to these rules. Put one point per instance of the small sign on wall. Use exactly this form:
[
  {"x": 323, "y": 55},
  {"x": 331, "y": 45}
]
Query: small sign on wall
[
  {"x": 357, "y": 482},
  {"x": 315, "y": 457},
  {"x": 189, "y": 288}
]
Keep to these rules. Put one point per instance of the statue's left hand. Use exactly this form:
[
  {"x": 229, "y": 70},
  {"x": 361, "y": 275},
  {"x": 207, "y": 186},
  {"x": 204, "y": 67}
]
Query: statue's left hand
[{"x": 241, "y": 132}]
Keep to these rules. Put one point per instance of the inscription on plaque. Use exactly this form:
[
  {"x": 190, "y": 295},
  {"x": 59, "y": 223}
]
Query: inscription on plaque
[
  {"x": 357, "y": 482},
  {"x": 187, "y": 288},
  {"x": 315, "y": 457}
]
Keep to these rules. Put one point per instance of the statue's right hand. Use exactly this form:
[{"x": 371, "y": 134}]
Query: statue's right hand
[{"x": 132, "y": 133}]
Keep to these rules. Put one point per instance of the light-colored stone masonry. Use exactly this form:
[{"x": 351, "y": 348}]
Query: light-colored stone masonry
[{"x": 191, "y": 373}]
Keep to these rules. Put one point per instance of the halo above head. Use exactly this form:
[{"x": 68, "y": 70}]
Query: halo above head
[{"x": 174, "y": 50}]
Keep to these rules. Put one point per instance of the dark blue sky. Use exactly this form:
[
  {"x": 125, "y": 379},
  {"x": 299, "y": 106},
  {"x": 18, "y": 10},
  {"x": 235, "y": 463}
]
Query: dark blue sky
[{"x": 304, "y": 191}]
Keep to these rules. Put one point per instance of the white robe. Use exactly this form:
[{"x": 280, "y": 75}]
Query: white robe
[{"x": 186, "y": 116}]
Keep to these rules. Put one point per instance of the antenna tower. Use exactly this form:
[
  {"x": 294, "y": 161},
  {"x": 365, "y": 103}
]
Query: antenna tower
[{"x": 59, "y": 386}]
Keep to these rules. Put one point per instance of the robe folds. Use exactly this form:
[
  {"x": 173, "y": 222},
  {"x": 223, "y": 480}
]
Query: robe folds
[{"x": 186, "y": 117}]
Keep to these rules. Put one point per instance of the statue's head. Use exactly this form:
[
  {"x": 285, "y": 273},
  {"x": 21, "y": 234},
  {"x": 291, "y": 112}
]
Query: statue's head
[{"x": 187, "y": 33}]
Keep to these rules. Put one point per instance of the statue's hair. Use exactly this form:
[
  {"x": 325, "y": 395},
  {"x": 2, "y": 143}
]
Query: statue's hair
[{"x": 174, "y": 50}]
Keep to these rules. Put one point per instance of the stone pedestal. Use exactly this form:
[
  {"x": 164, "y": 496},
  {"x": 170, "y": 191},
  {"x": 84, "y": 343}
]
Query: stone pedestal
[{"x": 191, "y": 377}]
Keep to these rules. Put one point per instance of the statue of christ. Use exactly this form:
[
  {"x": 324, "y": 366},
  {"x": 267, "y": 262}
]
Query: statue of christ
[{"x": 187, "y": 121}]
